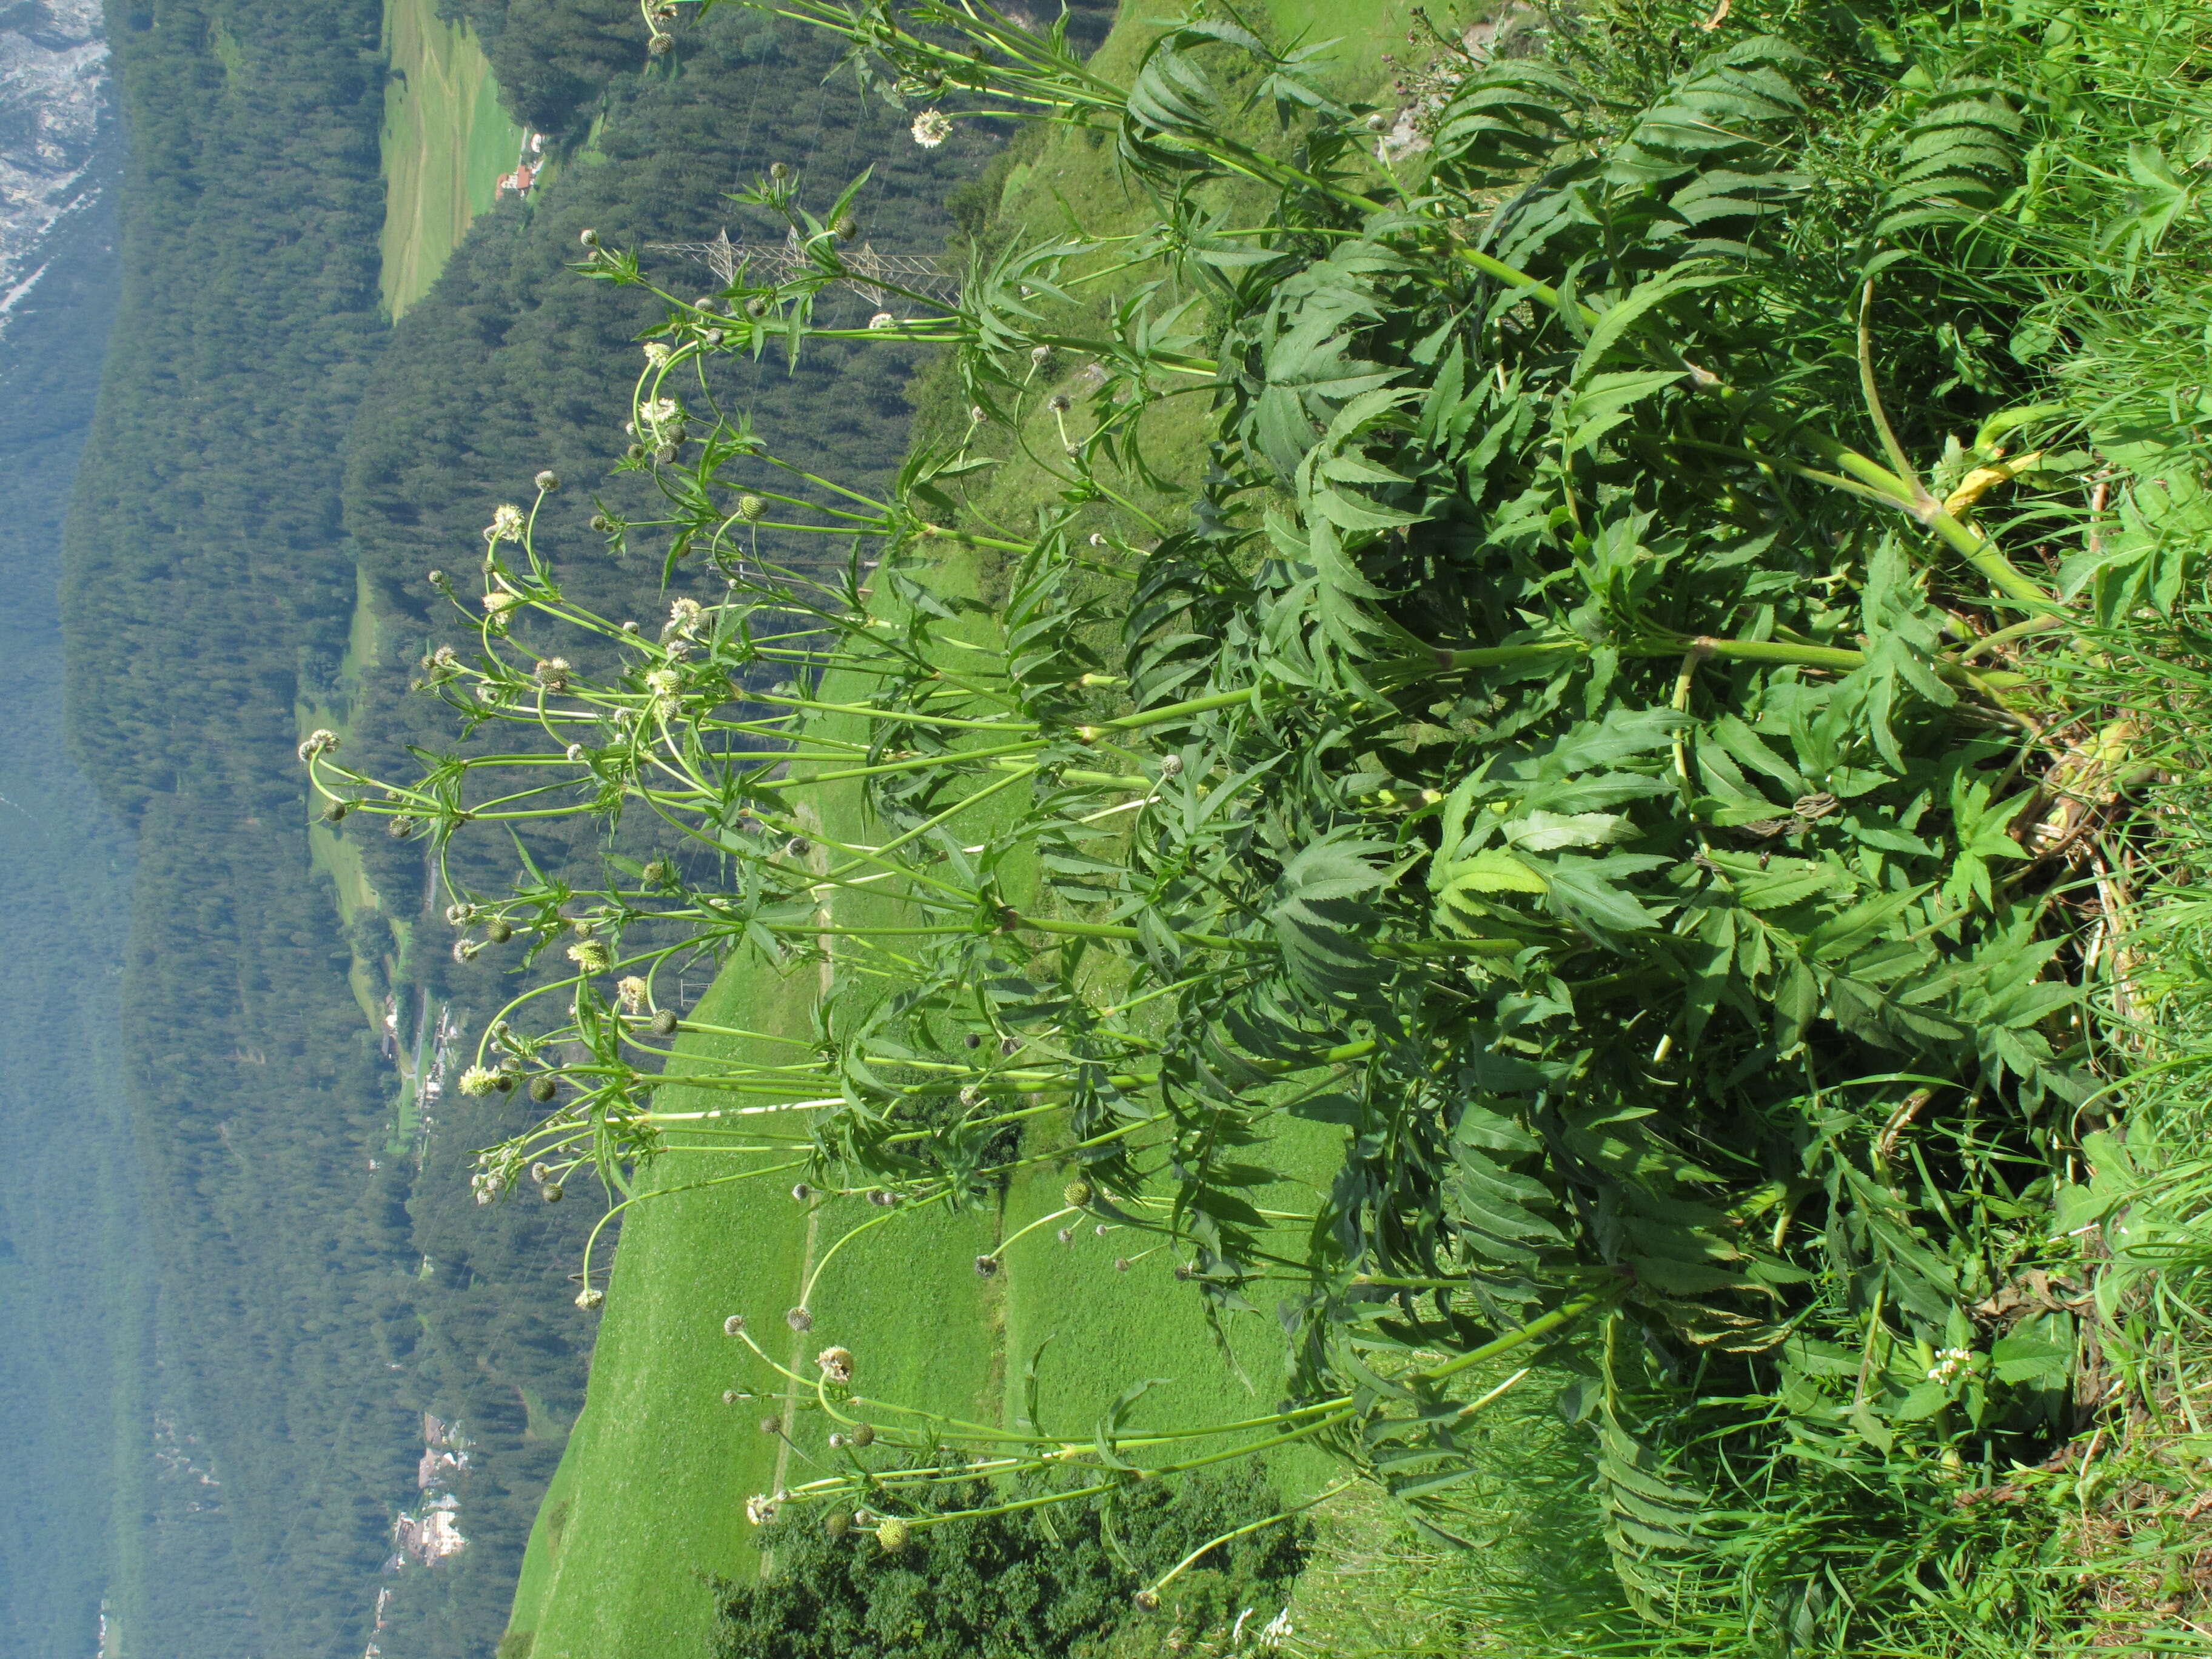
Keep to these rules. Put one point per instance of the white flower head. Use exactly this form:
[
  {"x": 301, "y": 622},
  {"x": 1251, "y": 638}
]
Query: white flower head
[
  {"x": 656, "y": 353},
  {"x": 478, "y": 1081},
  {"x": 883, "y": 319},
  {"x": 588, "y": 1299},
  {"x": 660, "y": 410},
  {"x": 499, "y": 602},
  {"x": 1276, "y": 1630},
  {"x": 684, "y": 616},
  {"x": 574, "y": 751},
  {"x": 760, "y": 1508},
  {"x": 506, "y": 523},
  {"x": 931, "y": 128},
  {"x": 1949, "y": 1362},
  {"x": 591, "y": 955},
  {"x": 320, "y": 741},
  {"x": 631, "y": 991}
]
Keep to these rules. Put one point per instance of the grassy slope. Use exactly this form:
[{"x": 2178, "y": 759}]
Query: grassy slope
[
  {"x": 446, "y": 140},
  {"x": 650, "y": 1495}
]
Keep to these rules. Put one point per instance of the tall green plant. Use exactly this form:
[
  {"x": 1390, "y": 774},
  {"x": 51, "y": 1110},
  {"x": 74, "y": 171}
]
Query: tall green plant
[{"x": 1606, "y": 735}]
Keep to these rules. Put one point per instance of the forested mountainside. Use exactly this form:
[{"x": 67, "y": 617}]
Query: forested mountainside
[
  {"x": 70, "y": 1301},
  {"x": 268, "y": 451},
  {"x": 206, "y": 587}
]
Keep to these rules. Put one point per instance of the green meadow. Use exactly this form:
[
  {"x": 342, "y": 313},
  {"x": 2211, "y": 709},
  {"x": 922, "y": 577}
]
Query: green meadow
[{"x": 446, "y": 142}]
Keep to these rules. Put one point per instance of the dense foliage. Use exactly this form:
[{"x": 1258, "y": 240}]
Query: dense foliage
[
  {"x": 1019, "y": 1584},
  {"x": 1609, "y": 733}
]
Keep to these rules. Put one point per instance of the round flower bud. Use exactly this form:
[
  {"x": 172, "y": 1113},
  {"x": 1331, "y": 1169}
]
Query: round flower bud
[
  {"x": 891, "y": 1533},
  {"x": 1076, "y": 1193},
  {"x": 755, "y": 308},
  {"x": 547, "y": 480},
  {"x": 1059, "y": 403},
  {"x": 601, "y": 523},
  {"x": 863, "y": 1435},
  {"x": 800, "y": 1319},
  {"x": 1146, "y": 1599},
  {"x": 801, "y": 1192},
  {"x": 986, "y": 1267},
  {"x": 846, "y": 228},
  {"x": 751, "y": 509},
  {"x": 882, "y": 1200},
  {"x": 1066, "y": 1235},
  {"x": 551, "y": 1192},
  {"x": 778, "y": 171},
  {"x": 771, "y": 1426},
  {"x": 1378, "y": 123},
  {"x": 1170, "y": 766},
  {"x": 837, "y": 1442},
  {"x": 663, "y": 1023},
  {"x": 437, "y": 578},
  {"x": 734, "y": 1325},
  {"x": 540, "y": 1172},
  {"x": 589, "y": 1299},
  {"x": 499, "y": 932},
  {"x": 589, "y": 238},
  {"x": 634, "y": 452},
  {"x": 1038, "y": 354},
  {"x": 836, "y": 1524},
  {"x": 837, "y": 1363},
  {"x": 504, "y": 1081},
  {"x": 541, "y": 1088},
  {"x": 660, "y": 46},
  {"x": 1120, "y": 1264},
  {"x": 731, "y": 1396},
  {"x": 974, "y": 1040}
]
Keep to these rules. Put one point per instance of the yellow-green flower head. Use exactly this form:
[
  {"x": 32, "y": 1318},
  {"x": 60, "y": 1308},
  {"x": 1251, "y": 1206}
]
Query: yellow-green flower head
[
  {"x": 499, "y": 602},
  {"x": 664, "y": 682},
  {"x": 589, "y": 1299},
  {"x": 476, "y": 1080},
  {"x": 631, "y": 989},
  {"x": 751, "y": 509},
  {"x": 656, "y": 353},
  {"x": 892, "y": 1533},
  {"x": 591, "y": 955},
  {"x": 506, "y": 523},
  {"x": 931, "y": 128},
  {"x": 684, "y": 616}
]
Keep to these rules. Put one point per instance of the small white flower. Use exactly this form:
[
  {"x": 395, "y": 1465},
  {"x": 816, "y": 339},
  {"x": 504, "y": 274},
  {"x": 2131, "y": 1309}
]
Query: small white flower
[
  {"x": 591, "y": 955},
  {"x": 760, "y": 1508},
  {"x": 506, "y": 523},
  {"x": 883, "y": 319},
  {"x": 1949, "y": 1362},
  {"x": 1277, "y": 1631},
  {"x": 499, "y": 602},
  {"x": 574, "y": 751},
  {"x": 656, "y": 353},
  {"x": 320, "y": 741},
  {"x": 478, "y": 1081},
  {"x": 931, "y": 128},
  {"x": 631, "y": 991},
  {"x": 660, "y": 410},
  {"x": 589, "y": 1299},
  {"x": 684, "y": 616}
]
